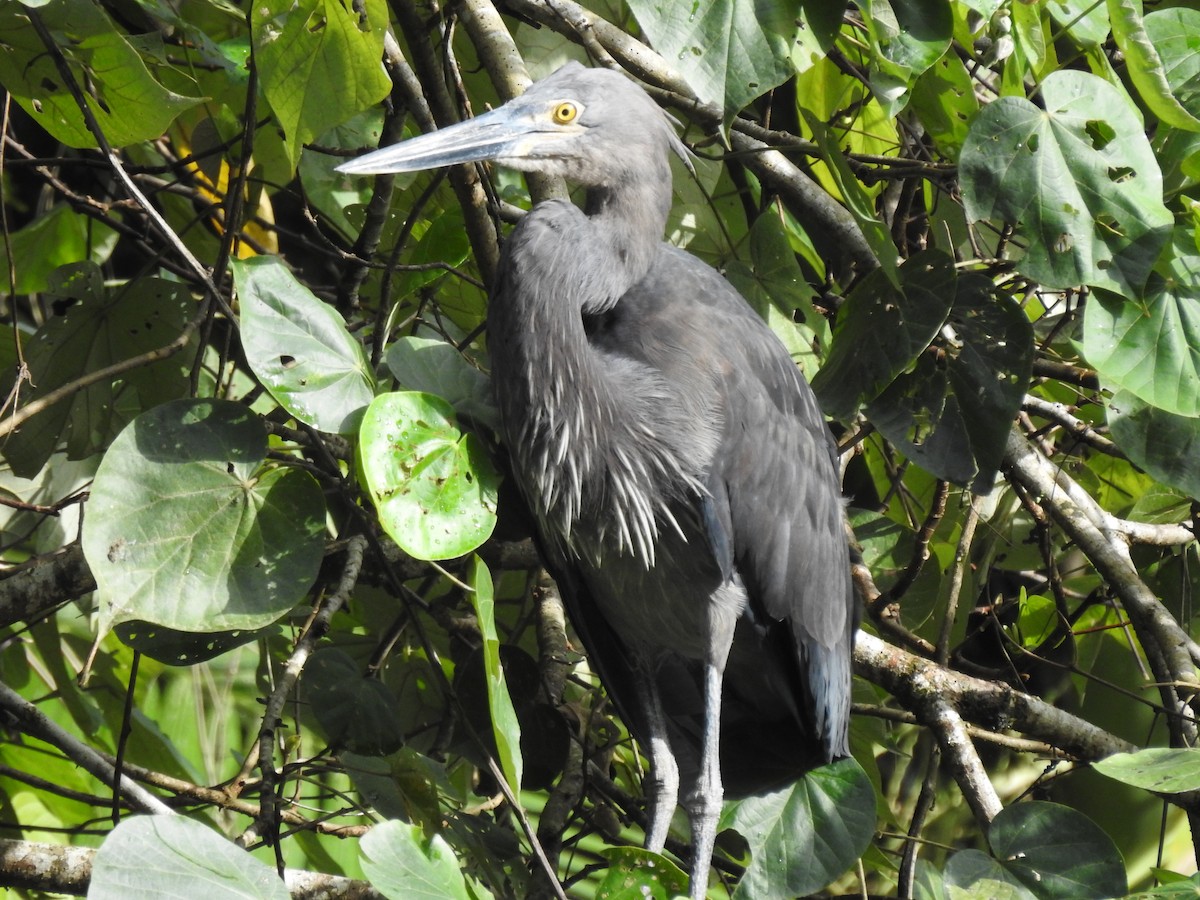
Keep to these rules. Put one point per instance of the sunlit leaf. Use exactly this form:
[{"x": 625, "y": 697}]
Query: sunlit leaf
[
  {"x": 437, "y": 367},
  {"x": 128, "y": 103},
  {"x": 433, "y": 484},
  {"x": 1162, "y": 769},
  {"x": 973, "y": 875},
  {"x": 299, "y": 347},
  {"x": 1077, "y": 178},
  {"x": 1149, "y": 345},
  {"x": 1144, "y": 61},
  {"x": 729, "y": 51},
  {"x": 634, "y": 874},
  {"x": 319, "y": 61},
  {"x": 505, "y": 728}
]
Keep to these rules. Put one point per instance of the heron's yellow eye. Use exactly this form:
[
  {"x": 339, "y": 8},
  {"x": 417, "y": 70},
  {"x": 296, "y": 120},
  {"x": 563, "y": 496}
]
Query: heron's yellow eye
[{"x": 565, "y": 113}]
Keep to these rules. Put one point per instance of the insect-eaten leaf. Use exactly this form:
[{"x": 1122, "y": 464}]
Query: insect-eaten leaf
[
  {"x": 433, "y": 484},
  {"x": 299, "y": 348}
]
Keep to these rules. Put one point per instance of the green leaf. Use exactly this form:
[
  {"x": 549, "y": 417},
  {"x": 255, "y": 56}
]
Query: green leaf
[
  {"x": 774, "y": 285},
  {"x": 505, "y": 728},
  {"x": 404, "y": 785},
  {"x": 129, "y": 105},
  {"x": 437, "y": 367},
  {"x": 99, "y": 326},
  {"x": 319, "y": 61},
  {"x": 184, "y": 859},
  {"x": 634, "y": 874},
  {"x": 1175, "y": 35},
  {"x": 972, "y": 874},
  {"x": 944, "y": 100},
  {"x": 881, "y": 331},
  {"x": 907, "y": 36},
  {"x": 403, "y": 864},
  {"x": 923, "y": 417},
  {"x": 185, "y": 529},
  {"x": 857, "y": 200},
  {"x": 1036, "y": 621},
  {"x": 1057, "y": 852},
  {"x": 1150, "y": 345},
  {"x": 1144, "y": 63},
  {"x": 433, "y": 485},
  {"x": 1078, "y": 179},
  {"x": 355, "y": 712},
  {"x": 184, "y": 648},
  {"x": 58, "y": 237},
  {"x": 299, "y": 347},
  {"x": 729, "y": 51},
  {"x": 819, "y": 826},
  {"x": 1183, "y": 889},
  {"x": 1162, "y": 443},
  {"x": 990, "y": 371},
  {"x": 443, "y": 243},
  {"x": 1161, "y": 769},
  {"x": 1084, "y": 20}
]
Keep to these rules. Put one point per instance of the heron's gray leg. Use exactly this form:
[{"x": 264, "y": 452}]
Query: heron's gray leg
[
  {"x": 663, "y": 788},
  {"x": 703, "y": 800}
]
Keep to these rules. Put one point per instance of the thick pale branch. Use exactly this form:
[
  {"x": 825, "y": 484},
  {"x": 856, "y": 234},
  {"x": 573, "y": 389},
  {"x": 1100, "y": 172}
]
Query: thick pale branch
[
  {"x": 960, "y": 755},
  {"x": 1167, "y": 645},
  {"x": 919, "y": 685},
  {"x": 36, "y": 866},
  {"x": 498, "y": 52}
]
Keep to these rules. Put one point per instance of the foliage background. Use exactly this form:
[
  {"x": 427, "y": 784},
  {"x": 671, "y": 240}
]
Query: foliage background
[{"x": 973, "y": 222}]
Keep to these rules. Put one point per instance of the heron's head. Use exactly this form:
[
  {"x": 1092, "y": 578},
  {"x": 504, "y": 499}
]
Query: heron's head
[{"x": 593, "y": 127}]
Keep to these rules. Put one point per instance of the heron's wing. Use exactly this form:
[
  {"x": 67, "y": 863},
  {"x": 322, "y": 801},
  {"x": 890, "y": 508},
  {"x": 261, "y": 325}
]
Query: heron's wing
[{"x": 775, "y": 503}]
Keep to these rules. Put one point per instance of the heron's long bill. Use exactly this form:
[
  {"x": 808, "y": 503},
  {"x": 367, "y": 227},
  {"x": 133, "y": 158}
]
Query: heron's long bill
[{"x": 509, "y": 132}]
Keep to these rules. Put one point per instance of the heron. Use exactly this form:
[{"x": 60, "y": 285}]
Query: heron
[{"x": 682, "y": 477}]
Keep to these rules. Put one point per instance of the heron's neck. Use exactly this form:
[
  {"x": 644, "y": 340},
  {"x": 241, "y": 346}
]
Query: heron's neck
[{"x": 632, "y": 216}]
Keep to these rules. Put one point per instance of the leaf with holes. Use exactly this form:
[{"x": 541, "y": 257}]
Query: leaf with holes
[
  {"x": 1078, "y": 180},
  {"x": 299, "y": 348},
  {"x": 185, "y": 529},
  {"x": 882, "y": 330},
  {"x": 128, "y": 102},
  {"x": 433, "y": 484},
  {"x": 319, "y": 63},
  {"x": 637, "y": 874}
]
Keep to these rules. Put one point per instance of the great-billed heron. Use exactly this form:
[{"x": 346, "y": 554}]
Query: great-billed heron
[{"x": 682, "y": 477}]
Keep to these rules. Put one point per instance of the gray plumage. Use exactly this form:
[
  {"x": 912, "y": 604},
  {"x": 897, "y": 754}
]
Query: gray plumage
[{"x": 680, "y": 471}]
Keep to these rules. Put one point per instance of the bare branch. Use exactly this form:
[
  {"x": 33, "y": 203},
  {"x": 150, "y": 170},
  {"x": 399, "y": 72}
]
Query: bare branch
[{"x": 35, "y": 723}]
